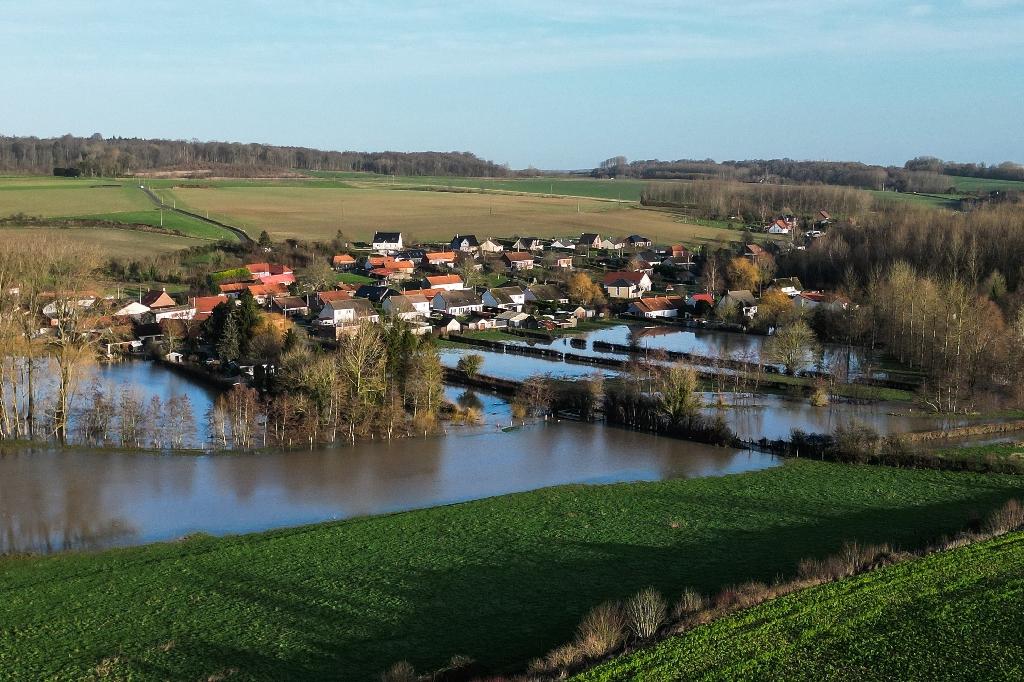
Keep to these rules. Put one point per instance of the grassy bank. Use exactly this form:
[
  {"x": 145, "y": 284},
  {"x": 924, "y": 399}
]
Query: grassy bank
[
  {"x": 500, "y": 580},
  {"x": 952, "y": 615}
]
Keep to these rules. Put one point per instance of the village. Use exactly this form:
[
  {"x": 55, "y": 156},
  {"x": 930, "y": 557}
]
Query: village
[{"x": 460, "y": 287}]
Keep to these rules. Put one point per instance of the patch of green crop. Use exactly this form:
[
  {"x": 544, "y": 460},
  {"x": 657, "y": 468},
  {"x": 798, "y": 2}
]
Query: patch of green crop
[{"x": 501, "y": 580}]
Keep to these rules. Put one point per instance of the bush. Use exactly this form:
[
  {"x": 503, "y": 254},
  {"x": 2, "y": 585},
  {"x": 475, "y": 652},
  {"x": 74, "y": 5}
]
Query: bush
[
  {"x": 399, "y": 672},
  {"x": 602, "y": 630},
  {"x": 689, "y": 603},
  {"x": 1008, "y": 518},
  {"x": 646, "y": 612}
]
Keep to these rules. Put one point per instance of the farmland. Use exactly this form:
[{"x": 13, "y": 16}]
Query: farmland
[
  {"x": 952, "y": 615},
  {"x": 318, "y": 213},
  {"x": 501, "y": 580},
  {"x": 111, "y": 242}
]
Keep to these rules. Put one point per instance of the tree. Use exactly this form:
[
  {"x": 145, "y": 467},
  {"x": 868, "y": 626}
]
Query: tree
[
  {"x": 470, "y": 364},
  {"x": 791, "y": 346},
  {"x": 775, "y": 308},
  {"x": 264, "y": 240},
  {"x": 230, "y": 344},
  {"x": 585, "y": 291},
  {"x": 742, "y": 274},
  {"x": 677, "y": 394}
]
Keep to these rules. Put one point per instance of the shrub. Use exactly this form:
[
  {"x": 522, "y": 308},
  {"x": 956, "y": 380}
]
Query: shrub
[
  {"x": 689, "y": 603},
  {"x": 399, "y": 672},
  {"x": 1009, "y": 517},
  {"x": 819, "y": 397},
  {"x": 646, "y": 612},
  {"x": 602, "y": 630}
]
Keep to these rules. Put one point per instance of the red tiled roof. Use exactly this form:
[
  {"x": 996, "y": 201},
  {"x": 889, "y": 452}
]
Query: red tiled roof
[
  {"x": 343, "y": 259},
  {"x": 435, "y": 280},
  {"x": 204, "y": 305},
  {"x": 633, "y": 277},
  {"x": 519, "y": 256}
]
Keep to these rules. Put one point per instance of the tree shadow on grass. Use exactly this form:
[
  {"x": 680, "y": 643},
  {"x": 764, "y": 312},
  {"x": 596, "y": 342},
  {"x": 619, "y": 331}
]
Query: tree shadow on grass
[{"x": 503, "y": 613}]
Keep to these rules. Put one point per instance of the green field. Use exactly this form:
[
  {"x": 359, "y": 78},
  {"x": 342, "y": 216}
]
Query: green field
[
  {"x": 946, "y": 201},
  {"x": 169, "y": 221},
  {"x": 955, "y": 615},
  {"x": 984, "y": 184},
  {"x": 501, "y": 580}
]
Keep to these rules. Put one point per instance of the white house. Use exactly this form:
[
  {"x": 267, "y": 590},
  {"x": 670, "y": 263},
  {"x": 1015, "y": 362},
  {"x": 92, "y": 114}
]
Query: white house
[
  {"x": 519, "y": 260},
  {"x": 466, "y": 243},
  {"x": 627, "y": 284},
  {"x": 407, "y": 307},
  {"x": 656, "y": 306},
  {"x": 507, "y": 298},
  {"x": 178, "y": 312},
  {"x": 130, "y": 309},
  {"x": 346, "y": 313},
  {"x": 491, "y": 246},
  {"x": 457, "y": 302},
  {"x": 528, "y": 244},
  {"x": 609, "y": 245},
  {"x": 446, "y": 282},
  {"x": 387, "y": 242}
]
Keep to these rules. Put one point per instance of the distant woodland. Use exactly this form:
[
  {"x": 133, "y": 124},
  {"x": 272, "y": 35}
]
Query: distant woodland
[
  {"x": 924, "y": 174},
  {"x": 99, "y": 156}
]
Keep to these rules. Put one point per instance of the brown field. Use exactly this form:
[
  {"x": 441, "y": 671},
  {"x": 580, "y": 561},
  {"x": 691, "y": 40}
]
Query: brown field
[
  {"x": 318, "y": 213},
  {"x": 111, "y": 242}
]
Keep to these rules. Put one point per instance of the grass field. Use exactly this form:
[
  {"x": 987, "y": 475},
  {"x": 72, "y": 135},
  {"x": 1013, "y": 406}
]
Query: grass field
[
  {"x": 61, "y": 197},
  {"x": 997, "y": 451},
  {"x": 112, "y": 242},
  {"x": 170, "y": 221},
  {"x": 947, "y": 201},
  {"x": 984, "y": 184},
  {"x": 501, "y": 580},
  {"x": 619, "y": 190},
  {"x": 949, "y": 616},
  {"x": 318, "y": 213}
]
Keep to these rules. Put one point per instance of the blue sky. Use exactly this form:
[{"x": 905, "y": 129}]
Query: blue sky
[{"x": 556, "y": 84}]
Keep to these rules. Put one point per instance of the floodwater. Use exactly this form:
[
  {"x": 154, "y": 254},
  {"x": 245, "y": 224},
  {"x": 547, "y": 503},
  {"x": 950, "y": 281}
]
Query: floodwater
[{"x": 53, "y": 500}]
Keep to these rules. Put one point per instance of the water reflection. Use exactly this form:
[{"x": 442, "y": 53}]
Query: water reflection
[{"x": 52, "y": 500}]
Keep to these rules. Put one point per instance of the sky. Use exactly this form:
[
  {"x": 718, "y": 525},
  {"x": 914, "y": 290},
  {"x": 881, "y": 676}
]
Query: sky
[{"x": 556, "y": 84}]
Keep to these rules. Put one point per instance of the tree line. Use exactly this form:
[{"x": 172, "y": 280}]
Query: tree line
[{"x": 99, "y": 156}]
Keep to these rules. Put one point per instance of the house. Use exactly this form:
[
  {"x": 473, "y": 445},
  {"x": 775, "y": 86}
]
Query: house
[
  {"x": 590, "y": 240},
  {"x": 325, "y": 297},
  {"x": 350, "y": 313},
  {"x": 811, "y": 300},
  {"x": 562, "y": 244},
  {"x": 262, "y": 293},
  {"x": 528, "y": 244},
  {"x": 270, "y": 273},
  {"x": 439, "y": 258},
  {"x": 415, "y": 255},
  {"x": 466, "y": 243},
  {"x": 824, "y": 219},
  {"x": 445, "y": 325},
  {"x": 755, "y": 253},
  {"x": 480, "y": 321},
  {"x": 375, "y": 294},
  {"x": 790, "y": 286},
  {"x": 518, "y": 260},
  {"x": 157, "y": 299},
  {"x": 610, "y": 245},
  {"x": 178, "y": 312},
  {"x": 446, "y": 282},
  {"x": 64, "y": 303},
  {"x": 204, "y": 305},
  {"x": 407, "y": 307},
  {"x": 656, "y": 307},
  {"x": 507, "y": 298},
  {"x": 130, "y": 309},
  {"x": 637, "y": 241},
  {"x": 491, "y": 246},
  {"x": 627, "y": 284},
  {"x": 545, "y": 293},
  {"x": 456, "y": 303},
  {"x": 564, "y": 262},
  {"x": 342, "y": 262},
  {"x": 778, "y": 227},
  {"x": 387, "y": 242},
  {"x": 742, "y": 300},
  {"x": 290, "y": 305},
  {"x": 517, "y": 320},
  {"x": 696, "y": 302}
]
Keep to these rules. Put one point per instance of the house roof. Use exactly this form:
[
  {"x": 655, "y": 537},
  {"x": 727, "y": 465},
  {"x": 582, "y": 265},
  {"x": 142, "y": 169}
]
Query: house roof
[
  {"x": 374, "y": 293},
  {"x": 157, "y": 298},
  {"x": 505, "y": 294},
  {"x": 462, "y": 297},
  {"x": 439, "y": 280},
  {"x": 657, "y": 303},
  {"x": 707, "y": 298},
  {"x": 290, "y": 302},
  {"x": 546, "y": 292},
  {"x": 824, "y": 214},
  {"x": 519, "y": 256},
  {"x": 744, "y": 296},
  {"x": 630, "y": 277},
  {"x": 405, "y": 304},
  {"x": 754, "y": 250},
  {"x": 468, "y": 238},
  {"x": 589, "y": 237},
  {"x": 389, "y": 237},
  {"x": 343, "y": 259},
  {"x": 206, "y": 304},
  {"x": 440, "y": 255},
  {"x": 637, "y": 238},
  {"x": 257, "y": 267},
  {"x": 362, "y": 306},
  {"x": 328, "y": 296},
  {"x": 267, "y": 289},
  {"x": 783, "y": 282}
]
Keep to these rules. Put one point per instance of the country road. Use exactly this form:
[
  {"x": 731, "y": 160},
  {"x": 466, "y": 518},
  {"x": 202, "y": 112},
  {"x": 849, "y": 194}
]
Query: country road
[{"x": 237, "y": 231}]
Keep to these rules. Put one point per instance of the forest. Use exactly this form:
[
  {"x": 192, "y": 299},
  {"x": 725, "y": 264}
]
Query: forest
[{"x": 99, "y": 156}]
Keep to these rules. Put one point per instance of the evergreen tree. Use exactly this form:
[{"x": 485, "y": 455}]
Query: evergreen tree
[
  {"x": 229, "y": 346},
  {"x": 264, "y": 240}
]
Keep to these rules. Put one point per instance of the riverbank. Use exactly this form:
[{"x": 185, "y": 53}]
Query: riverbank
[{"x": 501, "y": 580}]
